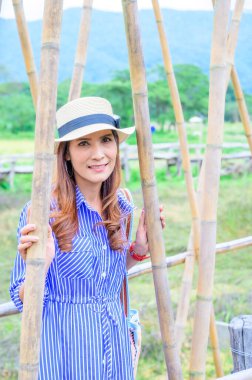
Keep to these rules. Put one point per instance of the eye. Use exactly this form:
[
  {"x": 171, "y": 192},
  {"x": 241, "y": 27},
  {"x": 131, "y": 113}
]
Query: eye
[
  {"x": 83, "y": 143},
  {"x": 106, "y": 139}
]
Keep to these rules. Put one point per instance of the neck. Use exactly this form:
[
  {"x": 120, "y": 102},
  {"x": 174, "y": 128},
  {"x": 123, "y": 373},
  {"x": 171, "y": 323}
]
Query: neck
[{"x": 92, "y": 195}]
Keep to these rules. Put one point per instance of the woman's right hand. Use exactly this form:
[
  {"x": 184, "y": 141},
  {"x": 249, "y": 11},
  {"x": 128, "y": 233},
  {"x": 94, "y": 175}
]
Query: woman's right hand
[{"x": 27, "y": 239}]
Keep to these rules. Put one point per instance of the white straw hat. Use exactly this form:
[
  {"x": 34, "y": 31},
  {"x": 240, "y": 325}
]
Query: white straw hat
[{"x": 83, "y": 116}]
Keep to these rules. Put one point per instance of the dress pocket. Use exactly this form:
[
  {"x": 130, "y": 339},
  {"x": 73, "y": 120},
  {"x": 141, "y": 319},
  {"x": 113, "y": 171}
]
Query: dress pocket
[{"x": 77, "y": 264}]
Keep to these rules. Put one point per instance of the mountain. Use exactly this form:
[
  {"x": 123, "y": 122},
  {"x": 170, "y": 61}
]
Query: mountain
[{"x": 188, "y": 32}]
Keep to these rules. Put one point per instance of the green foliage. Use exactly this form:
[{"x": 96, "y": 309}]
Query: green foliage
[{"x": 17, "y": 111}]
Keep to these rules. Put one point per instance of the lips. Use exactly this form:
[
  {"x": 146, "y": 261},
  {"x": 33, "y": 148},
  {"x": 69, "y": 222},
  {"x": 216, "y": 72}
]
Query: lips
[{"x": 98, "y": 168}]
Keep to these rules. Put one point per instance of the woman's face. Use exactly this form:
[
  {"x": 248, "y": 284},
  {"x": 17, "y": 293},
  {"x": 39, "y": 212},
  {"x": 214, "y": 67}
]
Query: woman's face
[{"x": 93, "y": 157}]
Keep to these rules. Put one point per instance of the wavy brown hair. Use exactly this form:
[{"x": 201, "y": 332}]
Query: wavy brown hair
[{"x": 65, "y": 219}]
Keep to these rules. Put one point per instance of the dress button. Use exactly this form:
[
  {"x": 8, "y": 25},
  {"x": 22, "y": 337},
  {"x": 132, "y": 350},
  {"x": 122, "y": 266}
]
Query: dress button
[
  {"x": 103, "y": 275},
  {"x": 104, "y": 247}
]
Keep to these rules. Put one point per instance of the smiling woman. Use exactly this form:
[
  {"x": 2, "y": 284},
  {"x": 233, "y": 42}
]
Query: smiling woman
[{"x": 84, "y": 331}]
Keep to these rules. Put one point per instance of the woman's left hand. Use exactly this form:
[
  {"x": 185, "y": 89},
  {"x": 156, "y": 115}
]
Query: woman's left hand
[{"x": 141, "y": 245}]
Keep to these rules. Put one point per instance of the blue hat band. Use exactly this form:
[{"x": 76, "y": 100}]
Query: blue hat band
[{"x": 85, "y": 121}]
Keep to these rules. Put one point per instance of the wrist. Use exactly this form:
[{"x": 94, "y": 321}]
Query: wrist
[{"x": 135, "y": 254}]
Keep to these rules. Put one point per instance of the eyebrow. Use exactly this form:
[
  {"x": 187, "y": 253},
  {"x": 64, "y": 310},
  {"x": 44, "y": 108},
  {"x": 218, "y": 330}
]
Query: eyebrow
[{"x": 88, "y": 139}]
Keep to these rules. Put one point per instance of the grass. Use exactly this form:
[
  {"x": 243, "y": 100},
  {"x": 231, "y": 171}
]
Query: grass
[{"x": 232, "y": 292}]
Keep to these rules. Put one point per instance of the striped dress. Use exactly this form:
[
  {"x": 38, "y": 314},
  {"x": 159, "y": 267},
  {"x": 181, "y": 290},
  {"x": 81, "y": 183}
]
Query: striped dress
[{"x": 84, "y": 330}]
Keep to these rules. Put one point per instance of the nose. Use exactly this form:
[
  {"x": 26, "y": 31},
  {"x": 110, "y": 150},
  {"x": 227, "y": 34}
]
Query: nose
[{"x": 97, "y": 152}]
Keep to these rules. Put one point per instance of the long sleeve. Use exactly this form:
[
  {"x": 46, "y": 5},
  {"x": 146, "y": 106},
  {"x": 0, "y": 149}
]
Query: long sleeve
[{"x": 18, "y": 272}]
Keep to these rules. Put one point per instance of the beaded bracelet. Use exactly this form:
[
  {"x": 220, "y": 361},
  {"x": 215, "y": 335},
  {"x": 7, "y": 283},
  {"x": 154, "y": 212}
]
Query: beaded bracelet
[{"x": 134, "y": 255}]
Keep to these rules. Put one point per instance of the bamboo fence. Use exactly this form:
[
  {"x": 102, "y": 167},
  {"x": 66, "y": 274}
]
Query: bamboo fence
[
  {"x": 81, "y": 51},
  {"x": 44, "y": 137},
  {"x": 26, "y": 49},
  {"x": 210, "y": 190},
  {"x": 155, "y": 237}
]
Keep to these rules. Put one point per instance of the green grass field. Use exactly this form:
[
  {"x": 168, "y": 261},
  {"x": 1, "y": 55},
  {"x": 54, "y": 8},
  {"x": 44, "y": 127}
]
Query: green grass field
[{"x": 232, "y": 292}]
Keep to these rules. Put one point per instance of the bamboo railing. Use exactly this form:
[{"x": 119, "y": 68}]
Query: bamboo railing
[
  {"x": 9, "y": 308},
  {"x": 44, "y": 140},
  {"x": 26, "y": 49},
  {"x": 242, "y": 375},
  {"x": 151, "y": 204},
  {"x": 210, "y": 190},
  {"x": 81, "y": 52}
]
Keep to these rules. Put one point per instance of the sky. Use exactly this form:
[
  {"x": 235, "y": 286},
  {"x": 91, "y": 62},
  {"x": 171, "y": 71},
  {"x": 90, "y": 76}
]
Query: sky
[{"x": 34, "y": 8}]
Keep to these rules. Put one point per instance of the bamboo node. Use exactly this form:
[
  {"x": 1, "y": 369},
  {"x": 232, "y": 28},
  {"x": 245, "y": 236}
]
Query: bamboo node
[
  {"x": 168, "y": 73},
  {"x": 88, "y": 7},
  {"x": 79, "y": 64},
  {"x": 221, "y": 66},
  {"x": 159, "y": 21},
  {"x": 143, "y": 94},
  {"x": 203, "y": 298},
  {"x": 44, "y": 156},
  {"x": 169, "y": 346},
  {"x": 50, "y": 45},
  {"x": 248, "y": 134},
  {"x": 31, "y": 72},
  {"x": 146, "y": 183},
  {"x": 196, "y": 373},
  {"x": 29, "y": 367},
  {"x": 214, "y": 146},
  {"x": 208, "y": 222},
  {"x": 161, "y": 266},
  {"x": 35, "y": 262}
]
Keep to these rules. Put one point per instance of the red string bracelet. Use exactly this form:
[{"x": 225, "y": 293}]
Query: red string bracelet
[{"x": 134, "y": 255}]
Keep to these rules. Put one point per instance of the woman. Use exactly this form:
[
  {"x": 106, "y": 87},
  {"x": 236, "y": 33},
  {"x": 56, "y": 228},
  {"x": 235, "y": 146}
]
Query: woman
[{"x": 84, "y": 329}]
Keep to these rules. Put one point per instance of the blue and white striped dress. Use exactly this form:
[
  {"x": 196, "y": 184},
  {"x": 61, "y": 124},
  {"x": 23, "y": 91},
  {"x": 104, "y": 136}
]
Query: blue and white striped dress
[{"x": 84, "y": 330}]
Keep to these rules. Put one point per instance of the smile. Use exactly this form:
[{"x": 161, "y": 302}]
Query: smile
[{"x": 98, "y": 167}]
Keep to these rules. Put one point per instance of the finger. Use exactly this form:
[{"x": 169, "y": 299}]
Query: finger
[
  {"x": 161, "y": 207},
  {"x": 142, "y": 219},
  {"x": 23, "y": 247},
  {"x": 27, "y": 238},
  {"x": 27, "y": 229}
]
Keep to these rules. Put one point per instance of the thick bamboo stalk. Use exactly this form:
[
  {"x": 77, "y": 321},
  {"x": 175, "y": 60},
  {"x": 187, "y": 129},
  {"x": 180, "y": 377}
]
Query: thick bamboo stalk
[
  {"x": 215, "y": 345},
  {"x": 242, "y": 375},
  {"x": 242, "y": 107},
  {"x": 0, "y": 6},
  {"x": 26, "y": 49},
  {"x": 41, "y": 190},
  {"x": 151, "y": 204},
  {"x": 184, "y": 300},
  {"x": 81, "y": 52},
  {"x": 210, "y": 190},
  {"x": 233, "y": 37}
]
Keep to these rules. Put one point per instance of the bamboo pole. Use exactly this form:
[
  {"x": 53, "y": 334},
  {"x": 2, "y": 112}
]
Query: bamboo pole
[
  {"x": 151, "y": 204},
  {"x": 215, "y": 345},
  {"x": 194, "y": 241},
  {"x": 26, "y": 49},
  {"x": 193, "y": 247},
  {"x": 210, "y": 190},
  {"x": 231, "y": 70},
  {"x": 81, "y": 52},
  {"x": 233, "y": 37},
  {"x": 41, "y": 190},
  {"x": 244, "y": 115}
]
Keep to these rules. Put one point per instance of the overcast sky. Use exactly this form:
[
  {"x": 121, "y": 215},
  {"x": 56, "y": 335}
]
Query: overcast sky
[{"x": 34, "y": 8}]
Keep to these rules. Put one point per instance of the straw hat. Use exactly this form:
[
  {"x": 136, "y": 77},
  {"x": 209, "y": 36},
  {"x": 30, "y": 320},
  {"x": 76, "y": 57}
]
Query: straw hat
[{"x": 83, "y": 116}]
